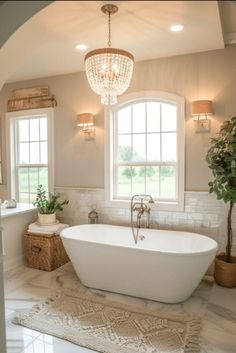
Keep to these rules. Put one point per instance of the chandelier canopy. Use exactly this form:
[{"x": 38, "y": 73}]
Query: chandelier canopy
[{"x": 109, "y": 70}]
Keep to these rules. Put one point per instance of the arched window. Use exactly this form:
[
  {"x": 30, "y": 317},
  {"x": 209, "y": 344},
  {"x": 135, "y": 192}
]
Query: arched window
[{"x": 145, "y": 149}]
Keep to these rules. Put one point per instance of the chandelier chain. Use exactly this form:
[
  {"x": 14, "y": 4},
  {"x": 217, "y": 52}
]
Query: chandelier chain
[{"x": 109, "y": 30}]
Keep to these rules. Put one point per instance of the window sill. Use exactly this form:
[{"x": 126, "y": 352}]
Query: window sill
[
  {"x": 19, "y": 209},
  {"x": 157, "y": 206}
]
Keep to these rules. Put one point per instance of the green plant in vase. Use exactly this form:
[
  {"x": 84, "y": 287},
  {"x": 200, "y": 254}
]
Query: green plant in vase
[
  {"x": 48, "y": 205},
  {"x": 221, "y": 159}
]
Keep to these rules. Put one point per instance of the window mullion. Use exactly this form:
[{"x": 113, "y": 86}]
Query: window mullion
[
  {"x": 16, "y": 154},
  {"x": 40, "y": 149},
  {"x": 29, "y": 168},
  {"x": 26, "y": 165},
  {"x": 132, "y": 145},
  {"x": 29, "y": 184},
  {"x": 159, "y": 174},
  {"x": 146, "y": 164},
  {"x": 39, "y": 142},
  {"x": 145, "y": 175},
  {"x": 115, "y": 154}
]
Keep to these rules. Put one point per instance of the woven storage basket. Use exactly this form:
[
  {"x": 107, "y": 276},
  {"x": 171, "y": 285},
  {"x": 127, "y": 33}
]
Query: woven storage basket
[{"x": 44, "y": 252}]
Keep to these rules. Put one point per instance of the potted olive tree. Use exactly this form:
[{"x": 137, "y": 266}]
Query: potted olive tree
[
  {"x": 221, "y": 159},
  {"x": 47, "y": 206}
]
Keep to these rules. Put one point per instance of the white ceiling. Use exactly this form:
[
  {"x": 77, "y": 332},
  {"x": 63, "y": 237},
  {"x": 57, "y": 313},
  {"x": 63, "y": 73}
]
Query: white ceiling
[
  {"x": 228, "y": 16},
  {"x": 141, "y": 27}
]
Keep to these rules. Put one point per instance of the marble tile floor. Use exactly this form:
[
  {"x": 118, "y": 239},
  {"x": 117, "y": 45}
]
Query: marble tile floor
[{"x": 25, "y": 287}]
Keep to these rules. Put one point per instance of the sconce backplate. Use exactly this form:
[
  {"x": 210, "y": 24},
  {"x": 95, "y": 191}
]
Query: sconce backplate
[
  {"x": 202, "y": 126},
  {"x": 90, "y": 134}
]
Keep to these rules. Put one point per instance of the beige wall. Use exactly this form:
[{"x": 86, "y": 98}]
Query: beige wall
[{"x": 79, "y": 163}]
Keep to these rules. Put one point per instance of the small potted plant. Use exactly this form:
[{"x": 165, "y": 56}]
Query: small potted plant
[
  {"x": 47, "y": 206},
  {"x": 221, "y": 159}
]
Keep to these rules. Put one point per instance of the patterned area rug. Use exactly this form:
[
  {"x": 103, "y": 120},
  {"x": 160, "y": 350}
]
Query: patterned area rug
[{"x": 111, "y": 327}]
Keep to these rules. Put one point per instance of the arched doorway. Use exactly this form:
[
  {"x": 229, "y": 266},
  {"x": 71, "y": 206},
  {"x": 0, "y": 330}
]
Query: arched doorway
[{"x": 14, "y": 36}]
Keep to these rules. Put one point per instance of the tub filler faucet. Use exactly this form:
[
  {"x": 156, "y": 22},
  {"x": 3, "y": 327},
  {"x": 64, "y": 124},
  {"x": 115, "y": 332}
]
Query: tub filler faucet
[{"x": 140, "y": 205}]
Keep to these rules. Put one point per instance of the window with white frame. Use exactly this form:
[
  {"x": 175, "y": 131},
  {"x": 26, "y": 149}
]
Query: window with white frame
[
  {"x": 147, "y": 149},
  {"x": 31, "y": 156}
]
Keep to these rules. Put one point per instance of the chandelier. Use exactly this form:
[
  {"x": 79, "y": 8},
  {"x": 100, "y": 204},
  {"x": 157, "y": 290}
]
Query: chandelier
[{"x": 109, "y": 70}]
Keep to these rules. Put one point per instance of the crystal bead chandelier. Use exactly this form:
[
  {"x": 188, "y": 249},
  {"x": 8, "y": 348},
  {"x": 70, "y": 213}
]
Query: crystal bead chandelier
[{"x": 109, "y": 70}]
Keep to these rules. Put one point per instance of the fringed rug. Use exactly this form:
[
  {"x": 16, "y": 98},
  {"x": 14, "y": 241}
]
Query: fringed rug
[{"x": 111, "y": 327}]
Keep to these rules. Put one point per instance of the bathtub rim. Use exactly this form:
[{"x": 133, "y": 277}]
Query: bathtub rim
[{"x": 211, "y": 251}]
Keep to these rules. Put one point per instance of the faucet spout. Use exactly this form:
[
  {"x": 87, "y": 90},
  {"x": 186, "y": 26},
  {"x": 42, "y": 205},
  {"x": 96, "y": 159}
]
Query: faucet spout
[{"x": 140, "y": 206}]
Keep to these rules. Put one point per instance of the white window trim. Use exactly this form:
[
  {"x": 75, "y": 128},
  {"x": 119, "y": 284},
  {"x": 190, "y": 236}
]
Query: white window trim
[
  {"x": 11, "y": 117},
  {"x": 108, "y": 113}
]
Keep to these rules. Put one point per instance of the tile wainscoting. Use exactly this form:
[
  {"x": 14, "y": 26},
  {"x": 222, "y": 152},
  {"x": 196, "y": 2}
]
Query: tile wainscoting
[{"x": 203, "y": 213}]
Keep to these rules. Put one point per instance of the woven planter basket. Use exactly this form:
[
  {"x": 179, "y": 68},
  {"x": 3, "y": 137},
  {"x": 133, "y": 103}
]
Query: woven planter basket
[{"x": 225, "y": 272}]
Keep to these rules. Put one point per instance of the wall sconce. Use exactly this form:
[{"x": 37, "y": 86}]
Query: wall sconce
[
  {"x": 85, "y": 122},
  {"x": 201, "y": 109}
]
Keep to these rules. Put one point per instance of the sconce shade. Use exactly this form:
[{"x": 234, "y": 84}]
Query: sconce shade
[
  {"x": 85, "y": 119},
  {"x": 203, "y": 107}
]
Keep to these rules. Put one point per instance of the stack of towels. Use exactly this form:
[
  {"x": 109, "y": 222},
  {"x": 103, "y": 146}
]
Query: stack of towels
[{"x": 46, "y": 229}]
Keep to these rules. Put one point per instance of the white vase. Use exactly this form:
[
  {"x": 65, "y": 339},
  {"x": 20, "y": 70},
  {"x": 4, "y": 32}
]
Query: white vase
[{"x": 46, "y": 219}]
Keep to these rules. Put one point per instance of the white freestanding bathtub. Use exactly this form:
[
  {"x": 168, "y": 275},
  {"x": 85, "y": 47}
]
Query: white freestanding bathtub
[{"x": 166, "y": 266}]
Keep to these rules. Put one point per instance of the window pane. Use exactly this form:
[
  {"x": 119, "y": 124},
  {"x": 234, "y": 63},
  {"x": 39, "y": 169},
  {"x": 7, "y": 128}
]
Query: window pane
[
  {"x": 34, "y": 179},
  {"x": 34, "y": 152},
  {"x": 32, "y": 197},
  {"x": 23, "y": 180},
  {"x": 168, "y": 117},
  {"x": 147, "y": 139},
  {"x": 124, "y": 148},
  {"x": 153, "y": 147},
  {"x": 124, "y": 181},
  {"x": 152, "y": 181},
  {"x": 139, "y": 117},
  {"x": 24, "y": 153},
  {"x": 169, "y": 146},
  {"x": 23, "y": 130},
  {"x": 139, "y": 147},
  {"x": 24, "y": 198},
  {"x": 124, "y": 120},
  {"x": 32, "y": 148},
  {"x": 34, "y": 129},
  {"x": 44, "y": 152},
  {"x": 138, "y": 180},
  {"x": 153, "y": 117},
  {"x": 43, "y": 129},
  {"x": 43, "y": 177},
  {"x": 167, "y": 180}
]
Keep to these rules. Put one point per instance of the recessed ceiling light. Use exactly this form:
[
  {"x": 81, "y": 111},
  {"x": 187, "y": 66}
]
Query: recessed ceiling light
[
  {"x": 81, "y": 47},
  {"x": 176, "y": 28}
]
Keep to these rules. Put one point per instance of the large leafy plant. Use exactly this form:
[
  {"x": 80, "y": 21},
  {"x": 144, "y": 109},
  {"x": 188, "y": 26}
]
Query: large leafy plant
[
  {"x": 48, "y": 204},
  {"x": 221, "y": 159}
]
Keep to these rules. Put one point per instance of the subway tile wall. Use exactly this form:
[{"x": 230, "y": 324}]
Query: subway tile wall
[{"x": 203, "y": 213}]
